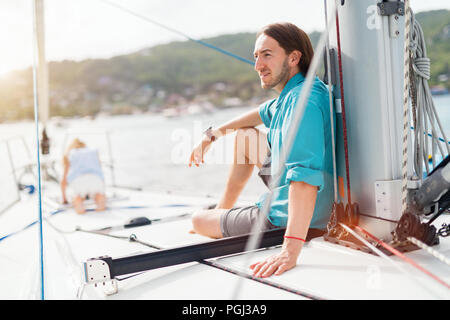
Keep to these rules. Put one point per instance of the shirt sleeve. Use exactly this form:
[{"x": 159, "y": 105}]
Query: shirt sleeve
[
  {"x": 264, "y": 112},
  {"x": 306, "y": 159}
]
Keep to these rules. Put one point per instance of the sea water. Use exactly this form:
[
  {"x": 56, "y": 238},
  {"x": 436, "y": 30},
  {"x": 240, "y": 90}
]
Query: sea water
[{"x": 149, "y": 151}]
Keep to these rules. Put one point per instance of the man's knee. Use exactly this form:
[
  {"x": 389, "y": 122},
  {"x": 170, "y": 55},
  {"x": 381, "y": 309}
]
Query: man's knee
[
  {"x": 207, "y": 223},
  {"x": 244, "y": 135},
  {"x": 251, "y": 146},
  {"x": 198, "y": 220}
]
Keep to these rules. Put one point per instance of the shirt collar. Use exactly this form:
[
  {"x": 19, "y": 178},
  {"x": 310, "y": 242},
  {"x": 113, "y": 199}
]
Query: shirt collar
[{"x": 293, "y": 82}]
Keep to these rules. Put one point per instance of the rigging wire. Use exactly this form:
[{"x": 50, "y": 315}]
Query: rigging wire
[
  {"x": 201, "y": 42},
  {"x": 424, "y": 111}
]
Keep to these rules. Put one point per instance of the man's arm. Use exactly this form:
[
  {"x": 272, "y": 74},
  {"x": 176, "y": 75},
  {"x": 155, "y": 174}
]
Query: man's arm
[
  {"x": 302, "y": 199},
  {"x": 247, "y": 120}
]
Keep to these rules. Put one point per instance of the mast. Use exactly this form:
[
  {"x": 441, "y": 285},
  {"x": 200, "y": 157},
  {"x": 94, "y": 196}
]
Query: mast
[{"x": 372, "y": 60}]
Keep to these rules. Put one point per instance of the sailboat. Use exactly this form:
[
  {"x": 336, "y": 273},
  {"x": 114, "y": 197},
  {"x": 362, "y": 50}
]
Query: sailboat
[{"x": 387, "y": 236}]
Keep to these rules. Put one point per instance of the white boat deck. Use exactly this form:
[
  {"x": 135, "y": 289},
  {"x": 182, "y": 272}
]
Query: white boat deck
[{"x": 324, "y": 270}]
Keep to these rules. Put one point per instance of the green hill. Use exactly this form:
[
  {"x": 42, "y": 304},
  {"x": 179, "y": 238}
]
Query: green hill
[{"x": 174, "y": 73}]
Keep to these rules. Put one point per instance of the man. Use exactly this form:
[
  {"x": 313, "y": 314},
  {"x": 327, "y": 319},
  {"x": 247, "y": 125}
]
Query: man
[{"x": 302, "y": 201}]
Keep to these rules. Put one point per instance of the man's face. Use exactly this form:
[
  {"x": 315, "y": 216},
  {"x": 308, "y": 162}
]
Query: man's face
[{"x": 271, "y": 63}]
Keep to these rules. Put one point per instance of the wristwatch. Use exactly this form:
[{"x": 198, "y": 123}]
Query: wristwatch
[{"x": 208, "y": 133}]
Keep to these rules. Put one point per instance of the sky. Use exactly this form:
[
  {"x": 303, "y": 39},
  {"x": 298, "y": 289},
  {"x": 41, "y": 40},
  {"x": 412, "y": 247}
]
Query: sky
[{"x": 81, "y": 29}]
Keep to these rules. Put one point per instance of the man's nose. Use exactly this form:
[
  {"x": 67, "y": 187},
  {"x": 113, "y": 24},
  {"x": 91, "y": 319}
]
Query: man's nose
[{"x": 258, "y": 64}]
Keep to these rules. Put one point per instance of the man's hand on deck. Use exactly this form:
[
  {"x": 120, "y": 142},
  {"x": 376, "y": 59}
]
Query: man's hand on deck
[{"x": 277, "y": 264}]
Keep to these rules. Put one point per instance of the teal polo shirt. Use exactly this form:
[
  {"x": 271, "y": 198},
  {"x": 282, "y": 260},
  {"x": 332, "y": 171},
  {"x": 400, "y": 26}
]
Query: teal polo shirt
[{"x": 311, "y": 158}]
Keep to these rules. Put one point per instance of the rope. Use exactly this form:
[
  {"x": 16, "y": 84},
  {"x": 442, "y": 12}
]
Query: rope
[
  {"x": 430, "y": 135},
  {"x": 30, "y": 225},
  {"x": 201, "y": 42},
  {"x": 430, "y": 250},
  {"x": 406, "y": 62}
]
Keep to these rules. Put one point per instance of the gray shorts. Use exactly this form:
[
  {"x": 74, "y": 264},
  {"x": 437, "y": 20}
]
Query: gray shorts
[
  {"x": 265, "y": 171},
  {"x": 239, "y": 221}
]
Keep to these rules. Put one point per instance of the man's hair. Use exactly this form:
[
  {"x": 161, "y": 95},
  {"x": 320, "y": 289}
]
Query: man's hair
[{"x": 290, "y": 38}]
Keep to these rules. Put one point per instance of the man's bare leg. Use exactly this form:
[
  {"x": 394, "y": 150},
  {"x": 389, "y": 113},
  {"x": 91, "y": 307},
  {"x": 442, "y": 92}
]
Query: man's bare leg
[
  {"x": 250, "y": 149},
  {"x": 207, "y": 223}
]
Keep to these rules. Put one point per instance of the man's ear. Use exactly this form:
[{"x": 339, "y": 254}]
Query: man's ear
[{"x": 294, "y": 57}]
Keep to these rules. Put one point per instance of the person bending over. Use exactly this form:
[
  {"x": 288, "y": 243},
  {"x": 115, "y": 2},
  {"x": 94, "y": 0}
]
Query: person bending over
[{"x": 83, "y": 176}]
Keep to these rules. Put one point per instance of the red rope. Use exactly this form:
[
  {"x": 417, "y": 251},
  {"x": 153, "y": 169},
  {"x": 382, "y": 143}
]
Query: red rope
[
  {"x": 344, "y": 124},
  {"x": 403, "y": 257}
]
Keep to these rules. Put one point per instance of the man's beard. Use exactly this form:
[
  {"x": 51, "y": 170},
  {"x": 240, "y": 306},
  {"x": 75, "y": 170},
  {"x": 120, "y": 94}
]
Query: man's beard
[{"x": 282, "y": 77}]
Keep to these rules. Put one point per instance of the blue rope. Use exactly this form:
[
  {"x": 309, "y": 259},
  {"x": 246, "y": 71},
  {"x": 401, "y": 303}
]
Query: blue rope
[
  {"x": 203, "y": 43},
  {"x": 430, "y": 135},
  {"x": 28, "y": 226}
]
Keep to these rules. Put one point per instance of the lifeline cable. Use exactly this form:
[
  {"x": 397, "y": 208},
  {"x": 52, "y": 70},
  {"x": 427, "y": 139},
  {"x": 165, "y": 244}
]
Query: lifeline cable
[
  {"x": 403, "y": 257},
  {"x": 203, "y": 43}
]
